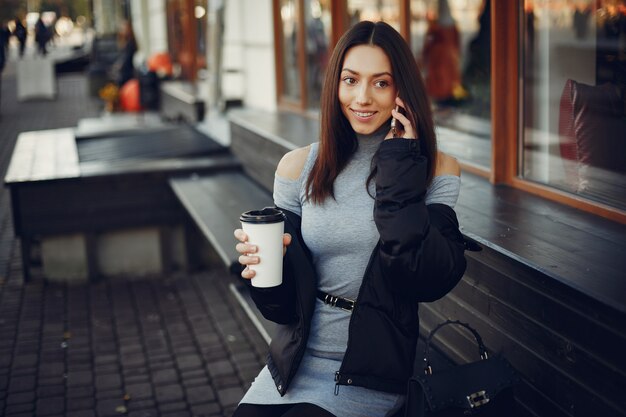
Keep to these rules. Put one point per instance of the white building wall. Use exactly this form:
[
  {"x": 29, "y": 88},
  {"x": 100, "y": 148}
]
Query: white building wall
[
  {"x": 248, "y": 61},
  {"x": 158, "y": 25},
  {"x": 141, "y": 28},
  {"x": 149, "y": 24}
]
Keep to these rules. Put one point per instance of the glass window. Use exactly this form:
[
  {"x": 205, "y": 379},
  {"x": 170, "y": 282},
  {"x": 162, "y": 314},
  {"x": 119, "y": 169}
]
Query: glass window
[
  {"x": 291, "y": 73},
  {"x": 375, "y": 10},
  {"x": 451, "y": 40},
  {"x": 574, "y": 97}
]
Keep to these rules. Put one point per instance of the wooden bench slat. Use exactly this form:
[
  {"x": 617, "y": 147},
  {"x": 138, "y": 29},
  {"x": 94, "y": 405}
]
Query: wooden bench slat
[
  {"x": 177, "y": 141},
  {"x": 215, "y": 202},
  {"x": 42, "y": 155},
  {"x": 582, "y": 254},
  {"x": 174, "y": 165},
  {"x": 285, "y": 129}
]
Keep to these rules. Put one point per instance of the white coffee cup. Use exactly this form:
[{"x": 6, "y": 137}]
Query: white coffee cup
[{"x": 265, "y": 230}]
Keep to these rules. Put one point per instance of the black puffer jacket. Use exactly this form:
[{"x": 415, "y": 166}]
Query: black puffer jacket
[{"x": 419, "y": 257}]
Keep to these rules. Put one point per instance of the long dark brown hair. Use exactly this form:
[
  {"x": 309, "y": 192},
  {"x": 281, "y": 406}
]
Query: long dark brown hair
[{"x": 338, "y": 141}]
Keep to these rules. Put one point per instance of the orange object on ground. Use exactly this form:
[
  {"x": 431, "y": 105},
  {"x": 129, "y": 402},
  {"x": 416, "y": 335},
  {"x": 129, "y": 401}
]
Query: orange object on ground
[
  {"x": 160, "y": 63},
  {"x": 129, "y": 96}
]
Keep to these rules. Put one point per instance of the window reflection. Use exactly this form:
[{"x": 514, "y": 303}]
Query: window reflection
[
  {"x": 291, "y": 74},
  {"x": 375, "y": 10},
  {"x": 318, "y": 26},
  {"x": 575, "y": 97},
  {"x": 451, "y": 40}
]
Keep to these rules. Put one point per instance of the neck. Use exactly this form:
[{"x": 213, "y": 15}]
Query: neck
[{"x": 378, "y": 134}]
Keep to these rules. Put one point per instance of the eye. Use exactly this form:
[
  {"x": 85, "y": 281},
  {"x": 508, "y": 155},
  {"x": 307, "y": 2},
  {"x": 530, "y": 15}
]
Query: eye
[
  {"x": 381, "y": 84},
  {"x": 349, "y": 80}
]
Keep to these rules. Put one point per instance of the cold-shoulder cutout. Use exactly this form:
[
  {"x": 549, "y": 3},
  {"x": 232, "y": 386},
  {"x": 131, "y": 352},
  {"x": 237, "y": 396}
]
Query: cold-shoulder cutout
[
  {"x": 447, "y": 165},
  {"x": 292, "y": 163}
]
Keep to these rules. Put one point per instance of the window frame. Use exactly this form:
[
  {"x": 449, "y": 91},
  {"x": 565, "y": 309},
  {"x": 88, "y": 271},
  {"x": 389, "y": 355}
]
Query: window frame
[
  {"x": 507, "y": 114},
  {"x": 188, "y": 42}
]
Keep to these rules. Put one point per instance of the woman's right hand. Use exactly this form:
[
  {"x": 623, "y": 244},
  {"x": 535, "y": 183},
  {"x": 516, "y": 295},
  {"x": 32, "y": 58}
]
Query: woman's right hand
[{"x": 247, "y": 251}]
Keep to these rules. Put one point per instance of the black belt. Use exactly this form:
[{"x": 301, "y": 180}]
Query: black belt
[{"x": 334, "y": 301}]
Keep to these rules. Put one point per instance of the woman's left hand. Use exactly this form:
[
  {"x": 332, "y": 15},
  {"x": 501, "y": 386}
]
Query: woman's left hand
[{"x": 404, "y": 128}]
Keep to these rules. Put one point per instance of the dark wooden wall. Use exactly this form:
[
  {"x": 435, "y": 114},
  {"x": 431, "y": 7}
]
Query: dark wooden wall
[{"x": 568, "y": 347}]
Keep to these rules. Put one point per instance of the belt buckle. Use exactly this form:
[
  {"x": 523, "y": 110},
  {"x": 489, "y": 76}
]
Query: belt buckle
[
  {"x": 351, "y": 302},
  {"x": 332, "y": 300},
  {"x": 478, "y": 398}
]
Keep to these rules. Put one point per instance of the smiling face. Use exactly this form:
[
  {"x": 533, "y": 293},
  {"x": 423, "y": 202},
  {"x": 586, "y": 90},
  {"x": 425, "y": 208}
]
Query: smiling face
[{"x": 367, "y": 92}]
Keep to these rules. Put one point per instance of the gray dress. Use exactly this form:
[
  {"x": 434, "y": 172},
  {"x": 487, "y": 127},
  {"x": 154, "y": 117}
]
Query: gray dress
[{"x": 341, "y": 235}]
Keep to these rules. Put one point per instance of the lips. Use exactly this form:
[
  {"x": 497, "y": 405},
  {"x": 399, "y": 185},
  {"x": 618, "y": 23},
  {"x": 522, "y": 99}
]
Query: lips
[{"x": 363, "y": 115}]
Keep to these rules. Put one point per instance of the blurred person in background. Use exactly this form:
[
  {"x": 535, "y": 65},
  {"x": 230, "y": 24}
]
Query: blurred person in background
[
  {"x": 441, "y": 57},
  {"x": 5, "y": 34},
  {"x": 20, "y": 33},
  {"x": 42, "y": 36},
  {"x": 123, "y": 68}
]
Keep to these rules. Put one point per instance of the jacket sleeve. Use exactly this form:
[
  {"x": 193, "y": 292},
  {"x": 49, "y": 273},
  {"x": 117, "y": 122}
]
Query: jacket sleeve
[
  {"x": 278, "y": 304},
  {"x": 421, "y": 248}
]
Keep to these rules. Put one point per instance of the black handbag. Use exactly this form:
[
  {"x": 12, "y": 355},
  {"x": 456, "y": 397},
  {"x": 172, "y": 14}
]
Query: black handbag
[{"x": 483, "y": 388}]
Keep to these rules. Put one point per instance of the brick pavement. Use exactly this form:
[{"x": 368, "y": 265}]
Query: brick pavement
[{"x": 177, "y": 345}]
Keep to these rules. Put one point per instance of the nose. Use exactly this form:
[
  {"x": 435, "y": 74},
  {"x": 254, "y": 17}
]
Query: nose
[{"x": 363, "y": 95}]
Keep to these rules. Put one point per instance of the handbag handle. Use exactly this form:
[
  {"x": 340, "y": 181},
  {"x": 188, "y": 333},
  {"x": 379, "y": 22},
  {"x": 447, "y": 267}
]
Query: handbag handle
[{"x": 482, "y": 350}]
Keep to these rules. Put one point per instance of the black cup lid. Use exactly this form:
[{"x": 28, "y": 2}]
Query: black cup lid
[{"x": 267, "y": 215}]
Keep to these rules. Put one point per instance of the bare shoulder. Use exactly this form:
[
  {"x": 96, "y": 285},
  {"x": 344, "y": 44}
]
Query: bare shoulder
[
  {"x": 447, "y": 165},
  {"x": 292, "y": 163}
]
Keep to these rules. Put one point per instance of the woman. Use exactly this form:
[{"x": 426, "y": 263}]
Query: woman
[
  {"x": 21, "y": 34},
  {"x": 369, "y": 218}
]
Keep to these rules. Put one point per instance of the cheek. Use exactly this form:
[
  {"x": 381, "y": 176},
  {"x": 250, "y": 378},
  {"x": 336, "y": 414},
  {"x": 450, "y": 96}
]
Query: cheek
[
  {"x": 390, "y": 101},
  {"x": 344, "y": 100},
  {"x": 344, "y": 96}
]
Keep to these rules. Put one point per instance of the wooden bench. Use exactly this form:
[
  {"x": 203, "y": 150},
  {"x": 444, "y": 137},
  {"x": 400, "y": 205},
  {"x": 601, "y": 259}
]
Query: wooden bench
[
  {"x": 215, "y": 202},
  {"x": 62, "y": 187},
  {"x": 181, "y": 101}
]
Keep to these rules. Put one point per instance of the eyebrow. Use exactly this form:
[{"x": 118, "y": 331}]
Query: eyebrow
[{"x": 378, "y": 74}]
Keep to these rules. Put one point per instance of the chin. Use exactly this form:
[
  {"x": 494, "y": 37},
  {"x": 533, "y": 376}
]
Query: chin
[{"x": 365, "y": 130}]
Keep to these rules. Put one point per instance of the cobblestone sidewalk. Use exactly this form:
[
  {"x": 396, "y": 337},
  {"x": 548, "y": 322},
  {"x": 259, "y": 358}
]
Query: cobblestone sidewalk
[{"x": 165, "y": 346}]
